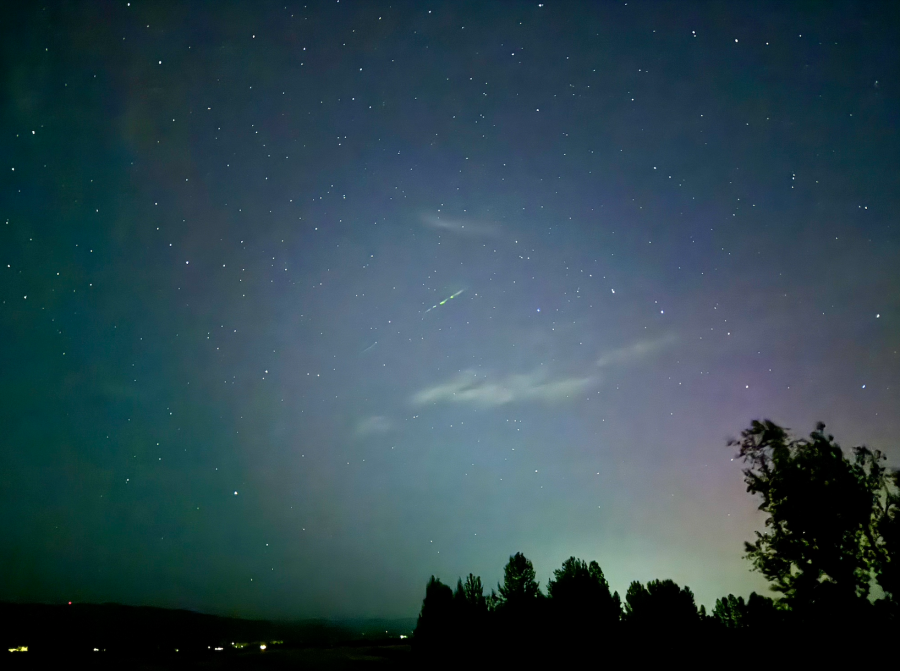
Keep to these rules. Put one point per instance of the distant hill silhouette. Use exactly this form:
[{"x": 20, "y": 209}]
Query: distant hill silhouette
[{"x": 77, "y": 628}]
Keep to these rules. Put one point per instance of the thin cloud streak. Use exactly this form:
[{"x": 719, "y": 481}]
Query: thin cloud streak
[
  {"x": 460, "y": 227},
  {"x": 467, "y": 387},
  {"x": 374, "y": 424},
  {"x": 475, "y": 389},
  {"x": 634, "y": 352}
]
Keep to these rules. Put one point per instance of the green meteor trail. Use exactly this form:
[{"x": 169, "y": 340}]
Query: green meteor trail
[{"x": 443, "y": 301}]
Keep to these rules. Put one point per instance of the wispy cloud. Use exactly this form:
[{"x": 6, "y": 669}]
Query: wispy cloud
[
  {"x": 635, "y": 351},
  {"x": 469, "y": 387},
  {"x": 374, "y": 424},
  {"x": 459, "y": 226},
  {"x": 479, "y": 389}
]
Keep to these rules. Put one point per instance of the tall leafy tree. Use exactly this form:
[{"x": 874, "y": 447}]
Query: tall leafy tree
[
  {"x": 636, "y": 599},
  {"x": 519, "y": 606},
  {"x": 519, "y": 584},
  {"x": 762, "y": 612},
  {"x": 757, "y": 613},
  {"x": 470, "y": 610},
  {"x": 437, "y": 618},
  {"x": 473, "y": 593},
  {"x": 729, "y": 611},
  {"x": 580, "y": 592},
  {"x": 661, "y": 604},
  {"x": 886, "y": 542},
  {"x": 819, "y": 507}
]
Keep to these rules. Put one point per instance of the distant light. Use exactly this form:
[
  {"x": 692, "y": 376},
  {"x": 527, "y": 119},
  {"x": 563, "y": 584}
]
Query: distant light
[
  {"x": 235, "y": 493},
  {"x": 864, "y": 386},
  {"x": 70, "y": 603},
  {"x": 262, "y": 646},
  {"x": 24, "y": 648},
  {"x": 403, "y": 636},
  {"x": 877, "y": 316}
]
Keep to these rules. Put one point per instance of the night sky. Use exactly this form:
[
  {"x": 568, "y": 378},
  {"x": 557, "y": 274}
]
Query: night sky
[{"x": 230, "y": 378}]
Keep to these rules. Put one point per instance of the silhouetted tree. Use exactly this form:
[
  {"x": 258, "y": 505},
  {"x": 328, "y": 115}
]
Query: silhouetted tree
[
  {"x": 762, "y": 613},
  {"x": 886, "y": 543},
  {"x": 729, "y": 611},
  {"x": 758, "y": 612},
  {"x": 471, "y": 594},
  {"x": 581, "y": 601},
  {"x": 519, "y": 613},
  {"x": 660, "y": 606},
  {"x": 519, "y": 585},
  {"x": 470, "y": 609},
  {"x": 820, "y": 511},
  {"x": 635, "y": 598},
  {"x": 436, "y": 624}
]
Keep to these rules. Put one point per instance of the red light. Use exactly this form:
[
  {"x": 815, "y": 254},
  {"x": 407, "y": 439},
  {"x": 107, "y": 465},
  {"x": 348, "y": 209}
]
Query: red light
[{"x": 70, "y": 603}]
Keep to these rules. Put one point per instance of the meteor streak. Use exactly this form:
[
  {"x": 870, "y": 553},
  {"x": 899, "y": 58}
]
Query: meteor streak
[{"x": 443, "y": 301}]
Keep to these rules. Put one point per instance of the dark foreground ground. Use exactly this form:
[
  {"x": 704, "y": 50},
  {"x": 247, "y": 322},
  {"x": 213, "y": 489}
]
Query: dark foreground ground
[
  {"x": 63, "y": 636},
  {"x": 378, "y": 656},
  {"x": 631, "y": 652}
]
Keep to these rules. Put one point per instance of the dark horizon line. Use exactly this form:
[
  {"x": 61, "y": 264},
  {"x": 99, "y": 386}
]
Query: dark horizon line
[{"x": 298, "y": 620}]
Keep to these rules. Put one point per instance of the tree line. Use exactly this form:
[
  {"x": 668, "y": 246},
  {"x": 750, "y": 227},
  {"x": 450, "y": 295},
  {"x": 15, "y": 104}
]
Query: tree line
[{"x": 831, "y": 534}]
